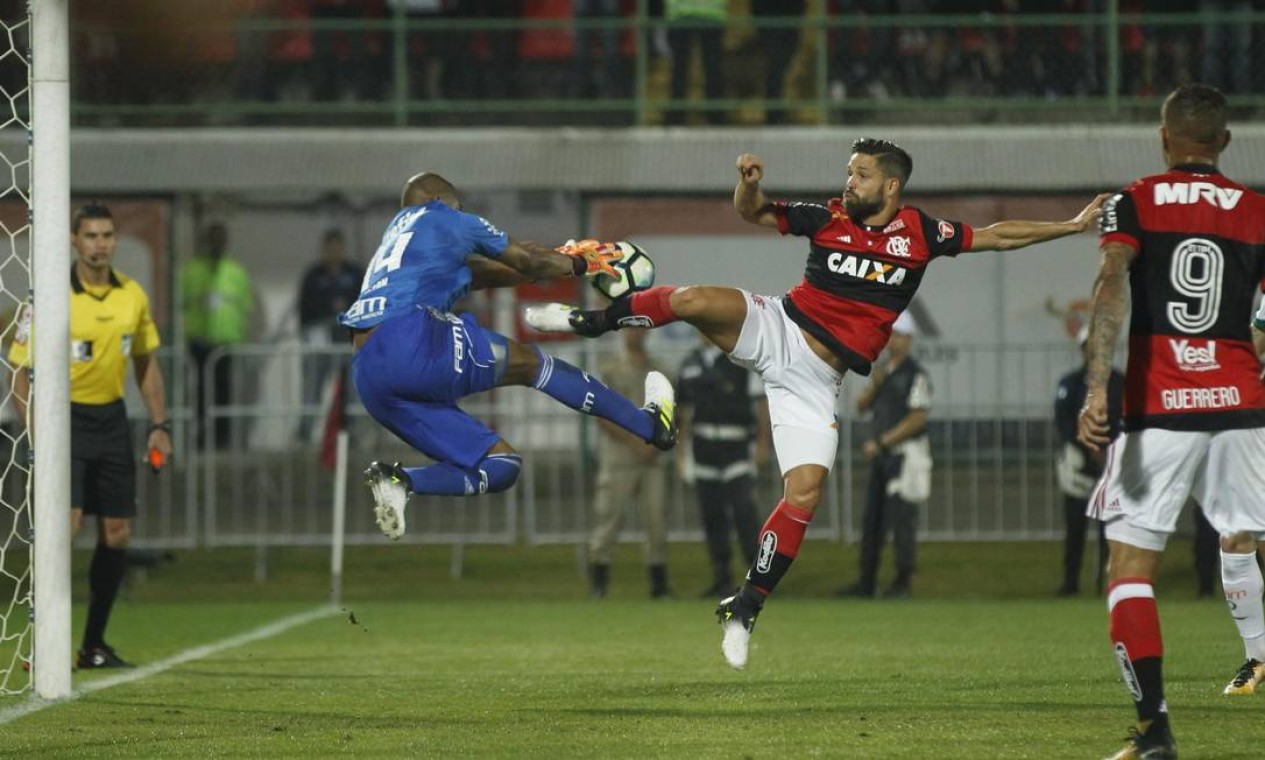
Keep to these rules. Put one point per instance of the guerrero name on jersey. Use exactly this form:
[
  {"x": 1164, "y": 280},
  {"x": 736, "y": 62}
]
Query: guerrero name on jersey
[
  {"x": 422, "y": 262},
  {"x": 1200, "y": 239},
  {"x": 860, "y": 278}
]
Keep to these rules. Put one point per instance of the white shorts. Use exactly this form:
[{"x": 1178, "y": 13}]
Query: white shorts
[
  {"x": 1149, "y": 474},
  {"x": 800, "y": 386}
]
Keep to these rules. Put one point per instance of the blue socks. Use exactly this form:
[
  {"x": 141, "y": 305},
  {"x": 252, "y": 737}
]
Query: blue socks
[
  {"x": 587, "y": 394},
  {"x": 492, "y": 474},
  {"x": 498, "y": 472}
]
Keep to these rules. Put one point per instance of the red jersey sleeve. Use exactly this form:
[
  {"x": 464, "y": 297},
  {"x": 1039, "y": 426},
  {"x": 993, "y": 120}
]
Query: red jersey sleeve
[
  {"x": 945, "y": 237},
  {"x": 1119, "y": 221},
  {"x": 801, "y": 219}
]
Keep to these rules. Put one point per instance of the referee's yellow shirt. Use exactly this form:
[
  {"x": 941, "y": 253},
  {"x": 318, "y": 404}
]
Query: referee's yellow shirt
[{"x": 108, "y": 325}]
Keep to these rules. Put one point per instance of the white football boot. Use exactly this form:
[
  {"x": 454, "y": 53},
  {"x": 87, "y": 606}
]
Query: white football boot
[
  {"x": 737, "y": 621},
  {"x": 661, "y": 405},
  {"x": 390, "y": 488},
  {"x": 551, "y": 317}
]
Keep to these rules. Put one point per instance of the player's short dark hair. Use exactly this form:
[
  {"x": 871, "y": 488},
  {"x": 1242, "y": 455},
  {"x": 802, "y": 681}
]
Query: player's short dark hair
[
  {"x": 332, "y": 234},
  {"x": 892, "y": 159},
  {"x": 427, "y": 185},
  {"x": 1195, "y": 112},
  {"x": 89, "y": 210}
]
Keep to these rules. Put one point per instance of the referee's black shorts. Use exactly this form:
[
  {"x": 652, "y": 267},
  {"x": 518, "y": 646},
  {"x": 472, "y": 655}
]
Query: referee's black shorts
[{"x": 102, "y": 462}]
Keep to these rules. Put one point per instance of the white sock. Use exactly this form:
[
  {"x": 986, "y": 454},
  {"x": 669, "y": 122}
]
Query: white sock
[{"x": 1243, "y": 584}]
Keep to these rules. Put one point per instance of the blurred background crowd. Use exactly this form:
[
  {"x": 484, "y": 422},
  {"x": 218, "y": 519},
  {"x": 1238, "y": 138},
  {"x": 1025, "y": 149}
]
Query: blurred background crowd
[{"x": 640, "y": 61}]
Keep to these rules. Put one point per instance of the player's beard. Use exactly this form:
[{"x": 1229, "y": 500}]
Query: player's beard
[{"x": 859, "y": 208}]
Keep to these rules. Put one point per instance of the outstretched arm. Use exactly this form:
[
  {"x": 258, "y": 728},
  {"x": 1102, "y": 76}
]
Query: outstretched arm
[
  {"x": 1007, "y": 236},
  {"x": 488, "y": 273},
  {"x": 1111, "y": 303},
  {"x": 749, "y": 200},
  {"x": 524, "y": 261},
  {"x": 530, "y": 261}
]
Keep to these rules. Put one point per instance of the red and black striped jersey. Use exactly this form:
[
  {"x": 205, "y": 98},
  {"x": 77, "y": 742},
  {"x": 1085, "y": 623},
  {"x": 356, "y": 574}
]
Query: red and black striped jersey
[
  {"x": 1200, "y": 239},
  {"x": 860, "y": 278}
]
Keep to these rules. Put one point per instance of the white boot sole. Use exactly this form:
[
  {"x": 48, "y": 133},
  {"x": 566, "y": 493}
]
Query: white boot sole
[
  {"x": 735, "y": 644},
  {"x": 388, "y": 508},
  {"x": 553, "y": 317}
]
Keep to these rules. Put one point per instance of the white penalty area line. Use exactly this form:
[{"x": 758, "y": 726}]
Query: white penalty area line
[{"x": 36, "y": 704}]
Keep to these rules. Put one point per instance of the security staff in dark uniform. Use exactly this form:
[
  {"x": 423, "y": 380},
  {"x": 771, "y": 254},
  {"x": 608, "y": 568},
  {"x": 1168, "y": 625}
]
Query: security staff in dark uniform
[
  {"x": 110, "y": 322},
  {"x": 722, "y": 410},
  {"x": 899, "y": 453},
  {"x": 1079, "y": 468},
  {"x": 1078, "y": 473}
]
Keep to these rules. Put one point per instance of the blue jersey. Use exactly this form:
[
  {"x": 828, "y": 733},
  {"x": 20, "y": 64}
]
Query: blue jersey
[{"x": 422, "y": 262}]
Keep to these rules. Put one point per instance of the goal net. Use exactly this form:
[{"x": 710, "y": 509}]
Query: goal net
[{"x": 15, "y": 278}]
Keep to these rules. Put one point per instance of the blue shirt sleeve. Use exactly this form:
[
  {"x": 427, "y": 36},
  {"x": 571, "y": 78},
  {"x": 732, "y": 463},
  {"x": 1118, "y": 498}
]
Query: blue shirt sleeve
[{"x": 485, "y": 238}]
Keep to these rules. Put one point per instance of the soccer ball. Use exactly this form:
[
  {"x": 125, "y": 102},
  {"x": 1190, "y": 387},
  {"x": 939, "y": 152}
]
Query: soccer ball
[{"x": 636, "y": 273}]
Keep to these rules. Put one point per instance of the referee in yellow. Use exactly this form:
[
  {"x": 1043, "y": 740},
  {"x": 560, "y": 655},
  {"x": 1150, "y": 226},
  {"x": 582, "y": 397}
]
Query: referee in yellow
[{"x": 109, "y": 322}]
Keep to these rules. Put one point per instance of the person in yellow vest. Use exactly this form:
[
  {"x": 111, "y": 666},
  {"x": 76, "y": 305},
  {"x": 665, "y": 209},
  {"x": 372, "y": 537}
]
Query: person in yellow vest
[
  {"x": 218, "y": 302},
  {"x": 109, "y": 323}
]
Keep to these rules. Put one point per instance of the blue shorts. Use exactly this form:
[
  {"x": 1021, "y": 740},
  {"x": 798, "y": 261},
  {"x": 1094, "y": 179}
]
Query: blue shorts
[{"x": 412, "y": 371}]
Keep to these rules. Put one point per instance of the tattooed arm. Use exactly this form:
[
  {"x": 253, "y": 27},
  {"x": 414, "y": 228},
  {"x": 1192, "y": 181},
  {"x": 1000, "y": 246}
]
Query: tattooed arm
[{"x": 1111, "y": 304}]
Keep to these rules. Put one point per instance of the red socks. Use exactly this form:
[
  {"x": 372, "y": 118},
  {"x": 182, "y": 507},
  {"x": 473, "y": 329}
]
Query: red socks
[
  {"x": 653, "y": 304},
  {"x": 1135, "y": 636},
  {"x": 1135, "y": 621},
  {"x": 779, "y": 545}
]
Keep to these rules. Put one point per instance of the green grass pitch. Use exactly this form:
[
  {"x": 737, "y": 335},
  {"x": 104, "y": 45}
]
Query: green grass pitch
[{"x": 513, "y": 661}]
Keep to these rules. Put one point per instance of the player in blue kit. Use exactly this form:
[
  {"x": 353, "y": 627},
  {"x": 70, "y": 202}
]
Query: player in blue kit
[{"x": 414, "y": 359}]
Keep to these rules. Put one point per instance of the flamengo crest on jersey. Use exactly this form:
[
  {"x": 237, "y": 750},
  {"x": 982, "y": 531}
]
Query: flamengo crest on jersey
[
  {"x": 421, "y": 262},
  {"x": 859, "y": 278},
  {"x": 1200, "y": 240}
]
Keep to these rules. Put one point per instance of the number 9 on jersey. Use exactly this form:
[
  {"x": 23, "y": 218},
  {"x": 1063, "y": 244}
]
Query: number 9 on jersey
[{"x": 636, "y": 273}]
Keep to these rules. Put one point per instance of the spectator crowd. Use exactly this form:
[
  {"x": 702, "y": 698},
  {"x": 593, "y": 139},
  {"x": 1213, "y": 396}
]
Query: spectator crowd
[{"x": 320, "y": 51}]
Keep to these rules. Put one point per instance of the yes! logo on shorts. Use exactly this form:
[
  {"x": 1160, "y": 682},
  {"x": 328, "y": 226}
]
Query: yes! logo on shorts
[{"x": 768, "y": 547}]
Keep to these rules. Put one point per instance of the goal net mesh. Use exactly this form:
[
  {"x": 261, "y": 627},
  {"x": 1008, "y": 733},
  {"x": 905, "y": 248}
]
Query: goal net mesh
[{"x": 15, "y": 278}]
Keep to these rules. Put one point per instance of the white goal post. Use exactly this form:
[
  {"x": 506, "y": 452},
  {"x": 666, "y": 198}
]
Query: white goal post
[
  {"x": 50, "y": 404},
  {"x": 34, "y": 270}
]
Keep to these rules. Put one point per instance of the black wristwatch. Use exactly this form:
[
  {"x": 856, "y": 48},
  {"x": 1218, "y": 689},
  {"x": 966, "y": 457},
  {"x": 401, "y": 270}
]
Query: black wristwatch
[{"x": 163, "y": 426}]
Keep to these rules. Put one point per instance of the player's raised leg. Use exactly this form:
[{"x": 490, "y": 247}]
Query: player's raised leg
[
  {"x": 778, "y": 547},
  {"x": 654, "y": 422},
  {"x": 470, "y": 459},
  {"x": 717, "y": 312},
  {"x": 391, "y": 485}
]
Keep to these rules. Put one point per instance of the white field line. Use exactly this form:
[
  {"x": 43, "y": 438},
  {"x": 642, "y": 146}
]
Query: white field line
[{"x": 35, "y": 704}]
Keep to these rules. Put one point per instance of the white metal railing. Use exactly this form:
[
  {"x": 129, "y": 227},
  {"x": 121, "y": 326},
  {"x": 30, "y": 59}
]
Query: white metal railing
[{"x": 991, "y": 431}]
